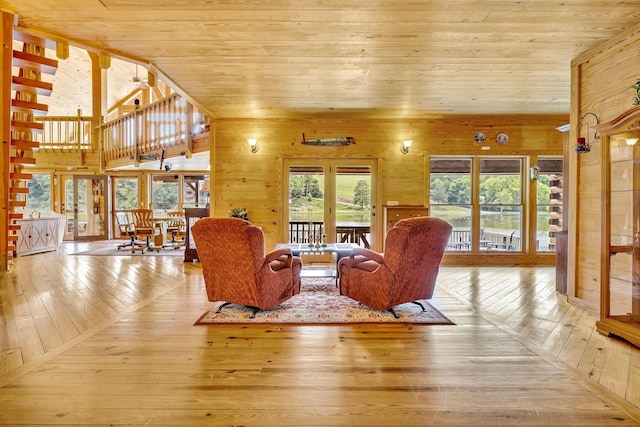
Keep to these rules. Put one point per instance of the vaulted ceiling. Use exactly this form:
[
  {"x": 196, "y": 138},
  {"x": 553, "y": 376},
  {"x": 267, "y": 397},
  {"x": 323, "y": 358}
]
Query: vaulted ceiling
[{"x": 367, "y": 58}]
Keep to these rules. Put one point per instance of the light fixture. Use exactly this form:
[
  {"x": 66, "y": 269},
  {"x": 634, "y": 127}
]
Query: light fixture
[
  {"x": 405, "y": 146},
  {"x": 631, "y": 141},
  {"x": 253, "y": 143},
  {"x": 583, "y": 145}
]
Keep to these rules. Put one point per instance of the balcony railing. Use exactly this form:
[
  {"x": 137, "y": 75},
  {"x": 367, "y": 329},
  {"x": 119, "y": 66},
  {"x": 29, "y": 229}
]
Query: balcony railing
[
  {"x": 460, "y": 240},
  {"x": 309, "y": 232},
  {"x": 66, "y": 132},
  {"x": 147, "y": 131}
]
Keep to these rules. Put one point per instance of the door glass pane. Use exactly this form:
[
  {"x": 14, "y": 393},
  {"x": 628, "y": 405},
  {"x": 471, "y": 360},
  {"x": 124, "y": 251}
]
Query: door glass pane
[
  {"x": 353, "y": 205},
  {"x": 81, "y": 207},
  {"x": 68, "y": 209},
  {"x": 500, "y": 196},
  {"x": 164, "y": 194},
  {"x": 549, "y": 200},
  {"x": 306, "y": 203},
  {"x": 89, "y": 208},
  {"x": 450, "y": 198}
]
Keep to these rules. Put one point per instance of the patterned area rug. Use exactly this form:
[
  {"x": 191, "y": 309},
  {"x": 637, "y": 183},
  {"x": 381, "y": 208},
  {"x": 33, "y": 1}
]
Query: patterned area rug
[{"x": 319, "y": 303}]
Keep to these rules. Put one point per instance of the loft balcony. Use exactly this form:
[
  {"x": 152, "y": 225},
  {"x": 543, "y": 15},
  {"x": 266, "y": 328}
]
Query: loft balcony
[{"x": 168, "y": 128}]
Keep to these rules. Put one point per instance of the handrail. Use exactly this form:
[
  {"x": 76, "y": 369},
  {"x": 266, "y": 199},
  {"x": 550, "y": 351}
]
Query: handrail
[
  {"x": 148, "y": 130},
  {"x": 139, "y": 135},
  {"x": 65, "y": 132}
]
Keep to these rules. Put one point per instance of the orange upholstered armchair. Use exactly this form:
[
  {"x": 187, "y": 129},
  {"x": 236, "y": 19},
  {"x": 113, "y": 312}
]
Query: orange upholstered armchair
[
  {"x": 236, "y": 268},
  {"x": 407, "y": 270}
]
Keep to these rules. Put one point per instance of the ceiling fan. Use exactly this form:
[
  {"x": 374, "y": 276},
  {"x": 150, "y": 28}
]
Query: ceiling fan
[{"x": 140, "y": 83}]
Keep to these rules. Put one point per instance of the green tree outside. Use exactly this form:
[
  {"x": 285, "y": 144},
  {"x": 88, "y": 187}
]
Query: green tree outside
[{"x": 362, "y": 194}]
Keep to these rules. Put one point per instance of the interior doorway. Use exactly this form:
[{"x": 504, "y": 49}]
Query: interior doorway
[
  {"x": 331, "y": 199},
  {"x": 85, "y": 206}
]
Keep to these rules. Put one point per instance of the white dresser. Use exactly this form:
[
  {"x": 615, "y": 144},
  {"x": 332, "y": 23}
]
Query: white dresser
[{"x": 37, "y": 235}]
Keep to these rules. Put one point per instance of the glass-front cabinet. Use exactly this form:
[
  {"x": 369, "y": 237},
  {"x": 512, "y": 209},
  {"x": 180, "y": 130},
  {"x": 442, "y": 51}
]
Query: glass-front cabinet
[{"x": 620, "y": 280}]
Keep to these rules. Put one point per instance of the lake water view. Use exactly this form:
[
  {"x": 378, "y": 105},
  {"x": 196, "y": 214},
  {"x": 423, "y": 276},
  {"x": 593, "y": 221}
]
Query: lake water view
[{"x": 494, "y": 222}]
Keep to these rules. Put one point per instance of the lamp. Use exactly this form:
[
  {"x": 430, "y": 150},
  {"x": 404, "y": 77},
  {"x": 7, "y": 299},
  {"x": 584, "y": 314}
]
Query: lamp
[
  {"x": 253, "y": 143},
  {"x": 631, "y": 141},
  {"x": 583, "y": 145},
  {"x": 405, "y": 146}
]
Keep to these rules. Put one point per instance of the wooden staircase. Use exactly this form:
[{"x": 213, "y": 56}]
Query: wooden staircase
[{"x": 29, "y": 64}]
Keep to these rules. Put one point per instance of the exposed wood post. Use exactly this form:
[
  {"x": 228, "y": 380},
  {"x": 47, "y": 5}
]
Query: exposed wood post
[
  {"x": 5, "y": 120},
  {"x": 98, "y": 102}
]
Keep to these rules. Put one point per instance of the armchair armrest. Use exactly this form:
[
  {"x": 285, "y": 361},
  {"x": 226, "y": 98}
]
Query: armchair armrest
[
  {"x": 368, "y": 254},
  {"x": 278, "y": 254}
]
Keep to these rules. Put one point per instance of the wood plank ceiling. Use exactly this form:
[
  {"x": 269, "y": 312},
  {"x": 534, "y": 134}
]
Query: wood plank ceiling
[{"x": 371, "y": 58}]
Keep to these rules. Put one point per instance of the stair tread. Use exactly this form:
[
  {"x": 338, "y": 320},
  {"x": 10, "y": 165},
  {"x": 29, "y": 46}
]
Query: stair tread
[
  {"x": 31, "y": 85},
  {"x": 25, "y": 126},
  {"x": 33, "y": 39},
  {"x": 23, "y": 160},
  {"x": 23, "y": 144},
  {"x": 40, "y": 63},
  {"x": 29, "y": 107},
  {"x": 19, "y": 190},
  {"x": 17, "y": 175}
]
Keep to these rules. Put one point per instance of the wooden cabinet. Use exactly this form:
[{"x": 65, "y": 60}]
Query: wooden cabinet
[
  {"x": 620, "y": 271},
  {"x": 191, "y": 216},
  {"x": 37, "y": 235},
  {"x": 393, "y": 214}
]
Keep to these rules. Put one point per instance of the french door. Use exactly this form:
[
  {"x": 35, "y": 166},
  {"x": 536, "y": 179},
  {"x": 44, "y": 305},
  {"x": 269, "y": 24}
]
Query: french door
[
  {"x": 85, "y": 207},
  {"x": 330, "y": 199}
]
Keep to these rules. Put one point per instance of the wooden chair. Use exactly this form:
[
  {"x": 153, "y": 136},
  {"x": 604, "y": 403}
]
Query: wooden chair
[
  {"x": 126, "y": 228},
  {"x": 145, "y": 229},
  {"x": 178, "y": 230}
]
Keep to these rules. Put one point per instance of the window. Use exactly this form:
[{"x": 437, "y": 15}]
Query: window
[
  {"x": 450, "y": 198},
  {"x": 194, "y": 192},
  {"x": 164, "y": 194},
  {"x": 125, "y": 193},
  {"x": 39, "y": 198},
  {"x": 500, "y": 201},
  {"x": 482, "y": 198}
]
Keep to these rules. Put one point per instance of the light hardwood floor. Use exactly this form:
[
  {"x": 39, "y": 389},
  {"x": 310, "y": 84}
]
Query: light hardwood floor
[{"x": 95, "y": 340}]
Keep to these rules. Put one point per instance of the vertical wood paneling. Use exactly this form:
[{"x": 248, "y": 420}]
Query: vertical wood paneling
[
  {"x": 254, "y": 181},
  {"x": 603, "y": 81}
]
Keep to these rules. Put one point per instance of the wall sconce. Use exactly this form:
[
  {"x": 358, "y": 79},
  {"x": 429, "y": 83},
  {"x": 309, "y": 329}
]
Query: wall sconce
[
  {"x": 253, "y": 143},
  {"x": 405, "y": 146},
  {"x": 631, "y": 141},
  {"x": 583, "y": 145}
]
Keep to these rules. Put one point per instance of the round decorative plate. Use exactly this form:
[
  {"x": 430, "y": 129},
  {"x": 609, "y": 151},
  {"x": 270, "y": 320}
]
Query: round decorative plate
[
  {"x": 502, "y": 138},
  {"x": 479, "y": 137}
]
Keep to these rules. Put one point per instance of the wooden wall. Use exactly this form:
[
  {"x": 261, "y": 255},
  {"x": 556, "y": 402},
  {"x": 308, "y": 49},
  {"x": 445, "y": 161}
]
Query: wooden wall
[
  {"x": 254, "y": 181},
  {"x": 601, "y": 80}
]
